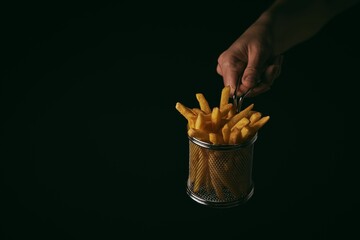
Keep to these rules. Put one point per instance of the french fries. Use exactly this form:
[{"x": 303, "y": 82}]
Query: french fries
[
  {"x": 221, "y": 122},
  {"x": 222, "y": 173}
]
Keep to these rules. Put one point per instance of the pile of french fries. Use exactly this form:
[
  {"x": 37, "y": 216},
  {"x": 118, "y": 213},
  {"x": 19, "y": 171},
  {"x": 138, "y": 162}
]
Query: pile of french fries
[
  {"x": 221, "y": 124},
  {"x": 222, "y": 173}
]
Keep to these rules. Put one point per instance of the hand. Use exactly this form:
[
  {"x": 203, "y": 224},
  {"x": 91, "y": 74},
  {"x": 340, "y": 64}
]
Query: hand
[{"x": 251, "y": 58}]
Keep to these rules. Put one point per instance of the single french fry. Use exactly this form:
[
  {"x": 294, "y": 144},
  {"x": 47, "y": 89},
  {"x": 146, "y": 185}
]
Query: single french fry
[
  {"x": 250, "y": 131},
  {"x": 200, "y": 122},
  {"x": 215, "y": 119},
  {"x": 185, "y": 111},
  {"x": 259, "y": 123},
  {"x": 216, "y": 138},
  {"x": 199, "y": 134},
  {"x": 251, "y": 112},
  {"x": 201, "y": 171},
  {"x": 193, "y": 158},
  {"x": 240, "y": 115},
  {"x": 225, "y": 131},
  {"x": 191, "y": 123},
  {"x": 231, "y": 113},
  {"x": 214, "y": 175},
  {"x": 241, "y": 123},
  {"x": 254, "y": 117},
  {"x": 225, "y": 109},
  {"x": 225, "y": 95},
  {"x": 213, "y": 138},
  {"x": 235, "y": 136},
  {"x": 197, "y": 111},
  {"x": 245, "y": 134},
  {"x": 203, "y": 121},
  {"x": 204, "y": 105}
]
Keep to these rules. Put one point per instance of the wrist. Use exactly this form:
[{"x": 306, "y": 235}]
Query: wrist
[{"x": 292, "y": 22}]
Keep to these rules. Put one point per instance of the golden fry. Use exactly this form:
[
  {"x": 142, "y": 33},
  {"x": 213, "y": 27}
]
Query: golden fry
[
  {"x": 185, "y": 111},
  {"x": 204, "y": 105},
  {"x": 255, "y": 116},
  {"x": 241, "y": 123},
  {"x": 240, "y": 115},
  {"x": 245, "y": 134},
  {"x": 197, "y": 111},
  {"x": 251, "y": 112},
  {"x": 226, "y": 109},
  {"x": 201, "y": 172},
  {"x": 235, "y": 136},
  {"x": 199, "y": 134},
  {"x": 231, "y": 113},
  {"x": 200, "y": 122},
  {"x": 225, "y": 131},
  {"x": 215, "y": 119},
  {"x": 216, "y": 138},
  {"x": 259, "y": 123},
  {"x": 214, "y": 175},
  {"x": 224, "y": 98},
  {"x": 191, "y": 123}
]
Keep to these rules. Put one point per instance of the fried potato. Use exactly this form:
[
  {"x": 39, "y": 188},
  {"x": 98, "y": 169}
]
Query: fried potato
[
  {"x": 225, "y": 131},
  {"x": 225, "y": 109},
  {"x": 216, "y": 138},
  {"x": 197, "y": 111},
  {"x": 198, "y": 134},
  {"x": 224, "y": 98},
  {"x": 215, "y": 119},
  {"x": 241, "y": 123},
  {"x": 185, "y": 111},
  {"x": 200, "y": 122},
  {"x": 221, "y": 125},
  {"x": 237, "y": 117},
  {"x": 204, "y": 105},
  {"x": 255, "y": 116},
  {"x": 235, "y": 136},
  {"x": 259, "y": 123}
]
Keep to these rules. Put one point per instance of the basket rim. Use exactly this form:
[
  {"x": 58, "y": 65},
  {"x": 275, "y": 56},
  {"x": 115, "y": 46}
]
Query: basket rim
[{"x": 223, "y": 147}]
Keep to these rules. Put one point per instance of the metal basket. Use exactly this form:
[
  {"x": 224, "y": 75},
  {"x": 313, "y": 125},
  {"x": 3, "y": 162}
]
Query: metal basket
[{"x": 220, "y": 175}]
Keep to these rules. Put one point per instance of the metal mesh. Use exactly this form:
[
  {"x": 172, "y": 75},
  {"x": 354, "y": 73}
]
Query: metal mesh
[{"x": 220, "y": 177}]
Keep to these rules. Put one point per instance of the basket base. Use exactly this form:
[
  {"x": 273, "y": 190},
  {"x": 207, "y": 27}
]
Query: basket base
[{"x": 225, "y": 204}]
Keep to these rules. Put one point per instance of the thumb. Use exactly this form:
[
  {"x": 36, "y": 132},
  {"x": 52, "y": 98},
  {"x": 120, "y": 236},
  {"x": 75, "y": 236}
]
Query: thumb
[{"x": 253, "y": 70}]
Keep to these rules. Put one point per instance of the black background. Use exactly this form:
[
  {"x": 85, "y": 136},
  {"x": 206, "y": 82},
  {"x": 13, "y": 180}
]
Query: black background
[{"x": 93, "y": 147}]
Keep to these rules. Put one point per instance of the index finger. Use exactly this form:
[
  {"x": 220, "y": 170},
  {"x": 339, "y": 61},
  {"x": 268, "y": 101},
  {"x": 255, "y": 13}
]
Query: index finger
[
  {"x": 231, "y": 71},
  {"x": 271, "y": 72}
]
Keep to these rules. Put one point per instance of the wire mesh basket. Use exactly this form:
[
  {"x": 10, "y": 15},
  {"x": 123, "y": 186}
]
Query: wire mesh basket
[{"x": 220, "y": 175}]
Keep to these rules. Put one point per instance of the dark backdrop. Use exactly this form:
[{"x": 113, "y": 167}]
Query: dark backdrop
[{"x": 92, "y": 145}]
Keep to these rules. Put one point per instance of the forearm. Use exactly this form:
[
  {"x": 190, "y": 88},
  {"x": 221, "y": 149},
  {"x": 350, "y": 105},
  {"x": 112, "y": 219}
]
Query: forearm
[{"x": 293, "y": 21}]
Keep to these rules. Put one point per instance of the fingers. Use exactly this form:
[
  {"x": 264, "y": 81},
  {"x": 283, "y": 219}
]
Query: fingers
[
  {"x": 255, "y": 72},
  {"x": 249, "y": 79},
  {"x": 230, "y": 70},
  {"x": 257, "y": 58},
  {"x": 271, "y": 72}
]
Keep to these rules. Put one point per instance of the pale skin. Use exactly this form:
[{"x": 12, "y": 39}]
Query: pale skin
[{"x": 257, "y": 55}]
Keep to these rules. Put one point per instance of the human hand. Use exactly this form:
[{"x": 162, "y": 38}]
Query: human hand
[{"x": 251, "y": 58}]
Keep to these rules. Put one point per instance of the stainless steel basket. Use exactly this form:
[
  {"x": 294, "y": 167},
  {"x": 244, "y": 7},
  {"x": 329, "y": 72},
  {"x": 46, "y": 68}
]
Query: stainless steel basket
[{"x": 220, "y": 175}]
